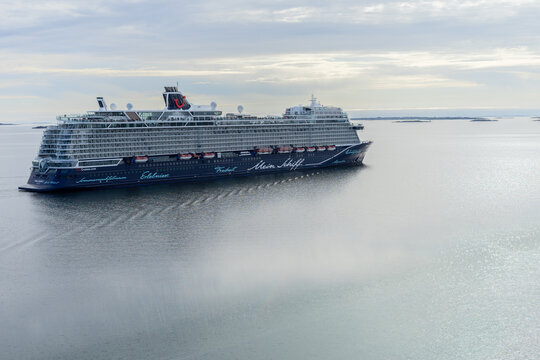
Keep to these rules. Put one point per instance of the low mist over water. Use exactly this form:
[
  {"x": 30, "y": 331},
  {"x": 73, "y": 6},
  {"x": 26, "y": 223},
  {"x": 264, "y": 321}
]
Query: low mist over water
[{"x": 430, "y": 250}]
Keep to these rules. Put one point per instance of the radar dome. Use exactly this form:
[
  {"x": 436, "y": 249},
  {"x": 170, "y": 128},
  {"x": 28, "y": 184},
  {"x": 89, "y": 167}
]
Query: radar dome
[
  {"x": 213, "y": 105},
  {"x": 240, "y": 108},
  {"x": 113, "y": 106},
  {"x": 129, "y": 106}
]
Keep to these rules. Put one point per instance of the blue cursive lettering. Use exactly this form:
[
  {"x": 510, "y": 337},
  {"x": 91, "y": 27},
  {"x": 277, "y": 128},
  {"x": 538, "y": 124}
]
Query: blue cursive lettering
[
  {"x": 223, "y": 169},
  {"x": 106, "y": 179},
  {"x": 153, "y": 175},
  {"x": 46, "y": 182}
]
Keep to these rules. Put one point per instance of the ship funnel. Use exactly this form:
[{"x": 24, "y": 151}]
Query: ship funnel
[
  {"x": 101, "y": 103},
  {"x": 174, "y": 100}
]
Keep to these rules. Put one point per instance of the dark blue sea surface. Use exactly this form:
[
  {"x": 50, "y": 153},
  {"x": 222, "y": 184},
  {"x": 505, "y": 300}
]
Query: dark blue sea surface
[{"x": 429, "y": 251}]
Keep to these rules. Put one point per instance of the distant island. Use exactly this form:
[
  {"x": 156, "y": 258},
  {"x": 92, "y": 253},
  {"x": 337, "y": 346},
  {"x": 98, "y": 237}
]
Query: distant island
[
  {"x": 484, "y": 120},
  {"x": 418, "y": 118},
  {"x": 40, "y": 127},
  {"x": 6, "y": 124},
  {"x": 411, "y": 121}
]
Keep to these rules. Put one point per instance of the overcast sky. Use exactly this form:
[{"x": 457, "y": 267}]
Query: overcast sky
[{"x": 57, "y": 56}]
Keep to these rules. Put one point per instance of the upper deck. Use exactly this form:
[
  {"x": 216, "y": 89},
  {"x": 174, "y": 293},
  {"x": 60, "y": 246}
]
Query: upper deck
[
  {"x": 187, "y": 128},
  {"x": 178, "y": 113}
]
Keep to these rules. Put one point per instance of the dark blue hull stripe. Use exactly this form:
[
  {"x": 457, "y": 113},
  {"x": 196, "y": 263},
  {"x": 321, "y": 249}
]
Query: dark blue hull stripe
[{"x": 172, "y": 170}]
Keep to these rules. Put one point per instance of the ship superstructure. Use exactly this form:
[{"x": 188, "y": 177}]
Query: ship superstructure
[{"x": 110, "y": 147}]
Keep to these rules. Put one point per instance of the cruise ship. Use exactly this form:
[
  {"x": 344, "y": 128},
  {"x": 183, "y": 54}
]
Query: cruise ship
[{"x": 188, "y": 142}]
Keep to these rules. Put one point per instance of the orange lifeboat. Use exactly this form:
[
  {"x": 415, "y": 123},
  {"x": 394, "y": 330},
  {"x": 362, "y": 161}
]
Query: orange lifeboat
[
  {"x": 185, "y": 156},
  {"x": 299, "y": 150},
  {"x": 321, "y": 148},
  {"x": 310, "y": 149},
  {"x": 209, "y": 155},
  {"x": 141, "y": 159},
  {"x": 285, "y": 150},
  {"x": 331, "y": 148},
  {"x": 264, "y": 151}
]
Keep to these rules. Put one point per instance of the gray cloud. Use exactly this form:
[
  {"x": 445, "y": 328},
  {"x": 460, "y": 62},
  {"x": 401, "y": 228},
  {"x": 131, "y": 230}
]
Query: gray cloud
[{"x": 394, "y": 53}]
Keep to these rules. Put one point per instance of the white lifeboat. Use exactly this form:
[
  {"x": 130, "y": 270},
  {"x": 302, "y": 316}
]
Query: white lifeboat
[
  {"x": 185, "y": 156},
  {"x": 141, "y": 159},
  {"x": 321, "y": 148},
  {"x": 331, "y": 148},
  {"x": 310, "y": 149},
  {"x": 299, "y": 150},
  {"x": 209, "y": 155}
]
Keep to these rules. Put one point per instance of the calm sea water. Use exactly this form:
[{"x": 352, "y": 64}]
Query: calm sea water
[{"x": 429, "y": 251}]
